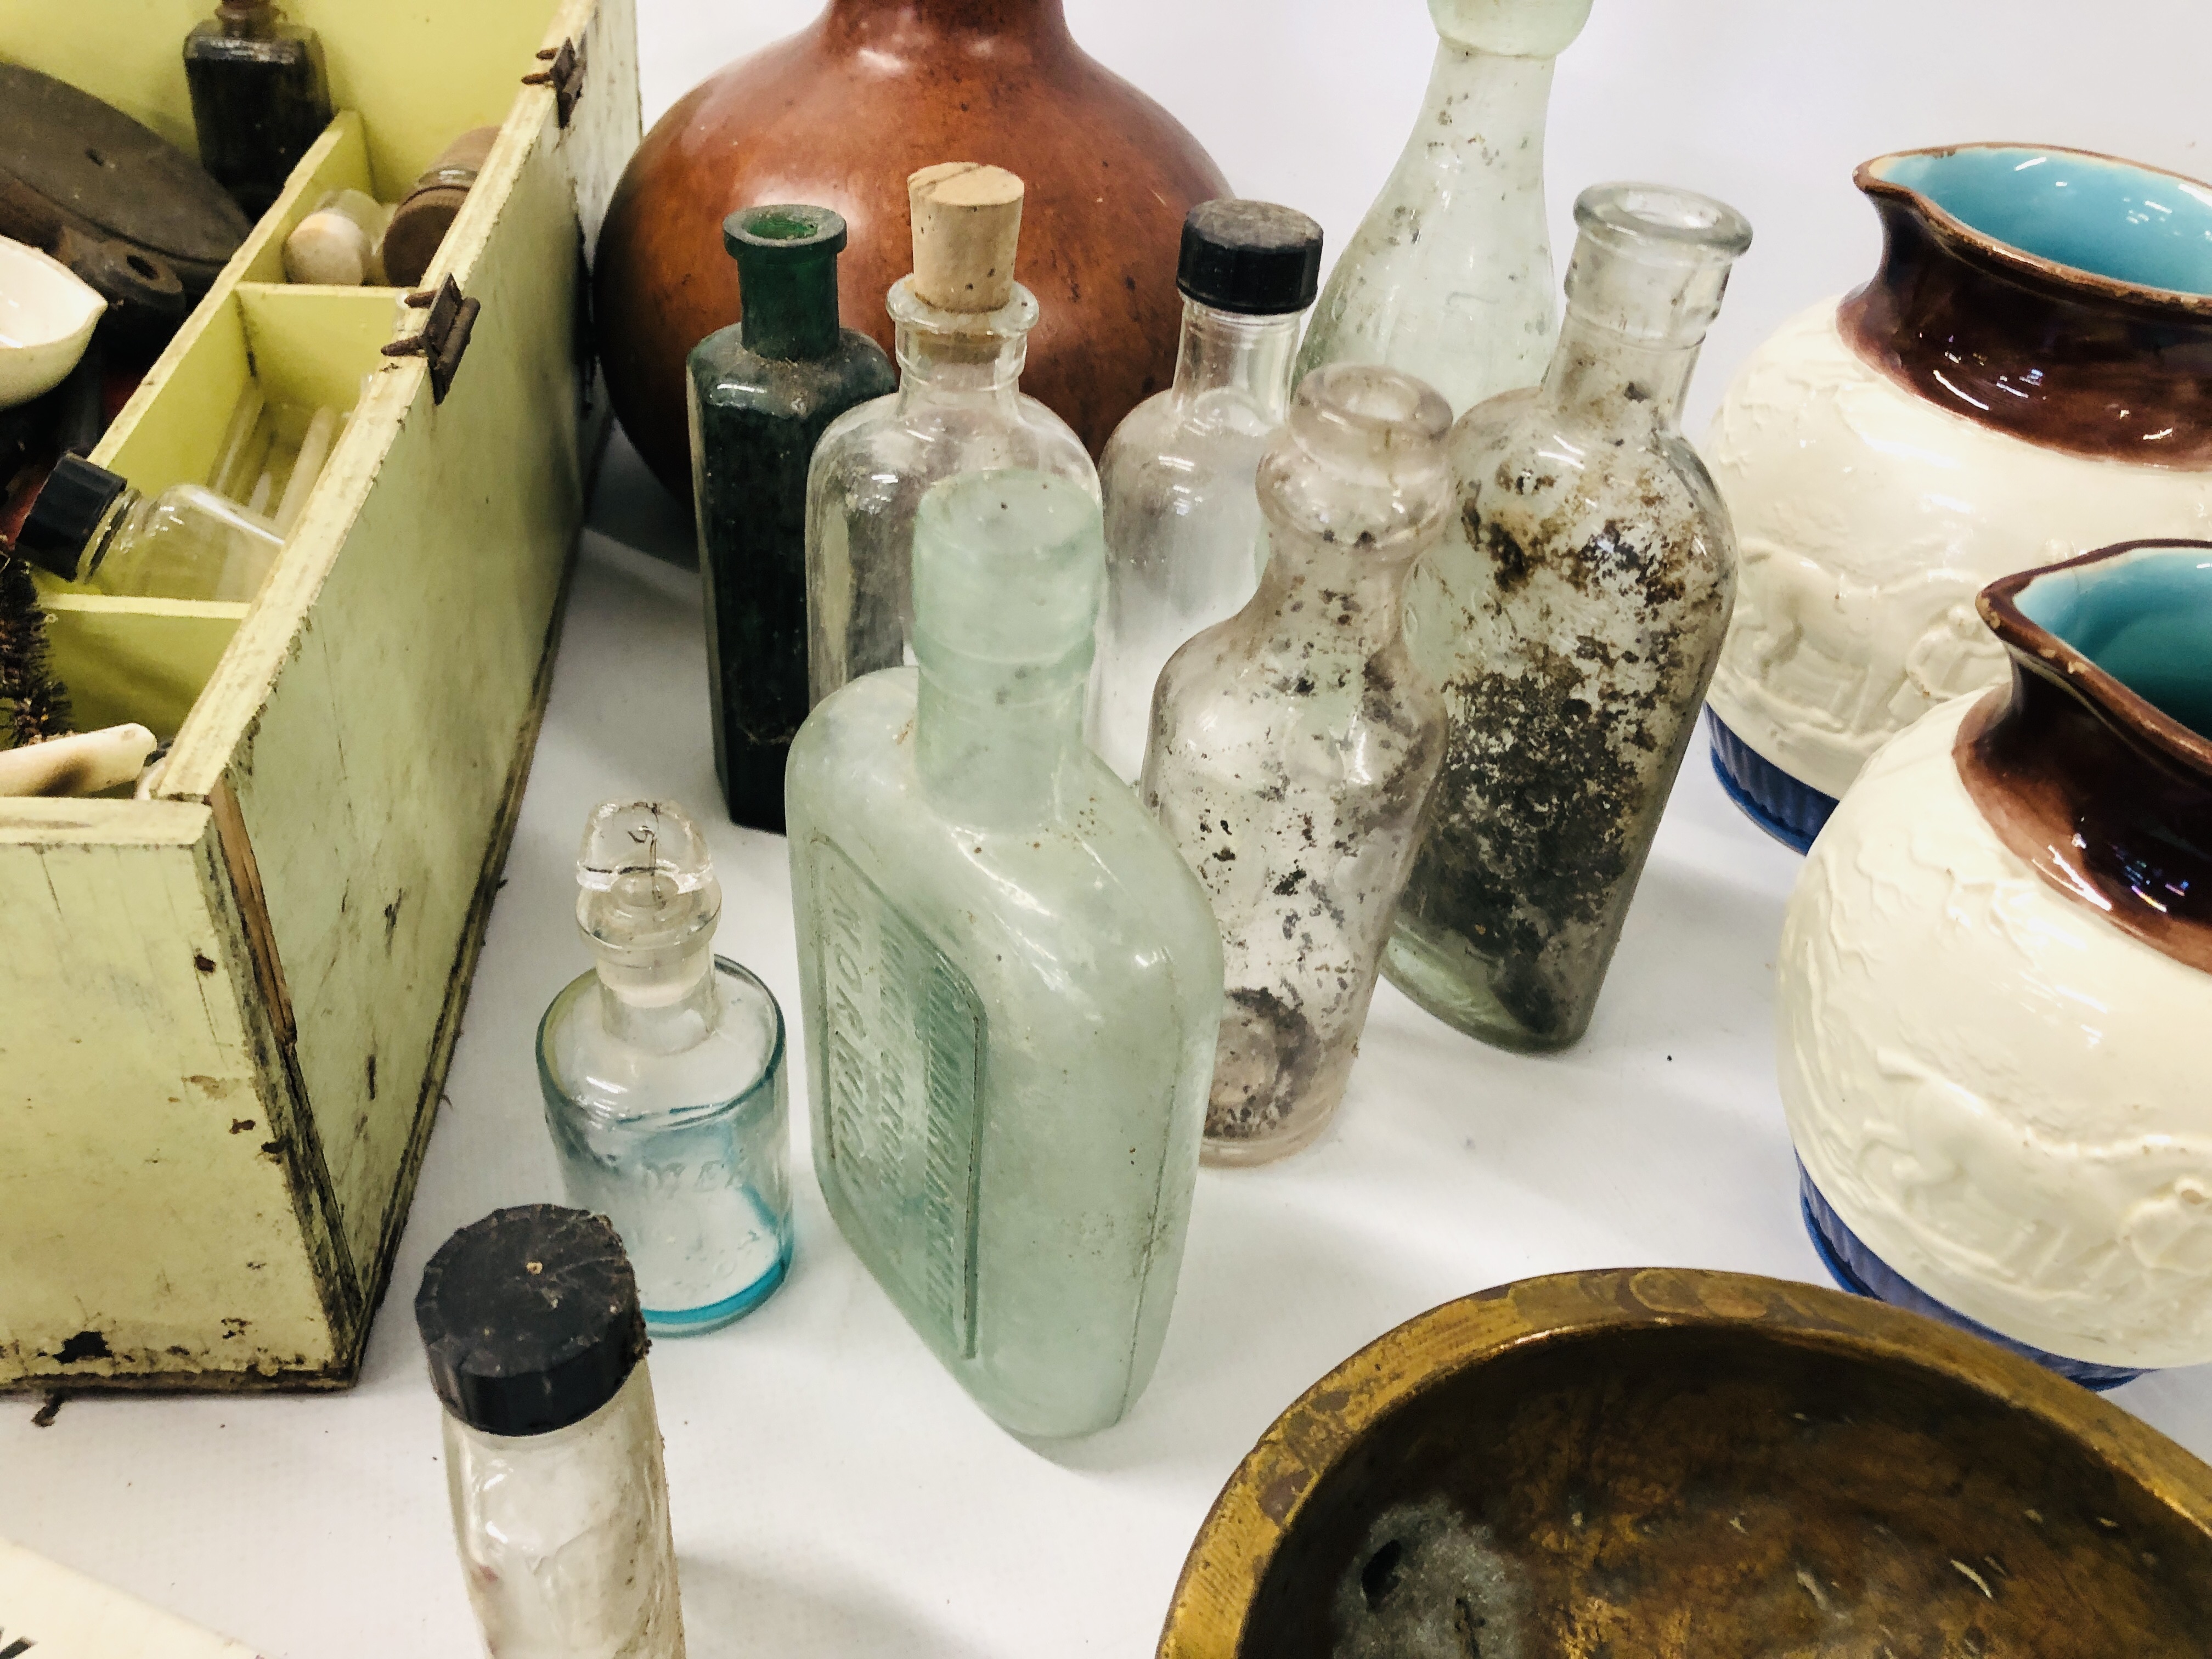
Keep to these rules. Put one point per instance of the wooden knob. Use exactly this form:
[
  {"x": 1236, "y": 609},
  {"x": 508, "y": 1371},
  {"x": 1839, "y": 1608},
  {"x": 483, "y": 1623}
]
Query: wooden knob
[{"x": 967, "y": 225}]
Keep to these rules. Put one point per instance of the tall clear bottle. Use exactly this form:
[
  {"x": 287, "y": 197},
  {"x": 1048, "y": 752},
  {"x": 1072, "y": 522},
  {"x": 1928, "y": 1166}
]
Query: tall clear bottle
[
  {"x": 763, "y": 392},
  {"x": 663, "y": 1074},
  {"x": 530, "y": 1321},
  {"x": 1572, "y": 615},
  {"x": 963, "y": 324},
  {"x": 1449, "y": 276},
  {"x": 1184, "y": 535},
  {"x": 1294, "y": 747},
  {"x": 1012, "y": 982}
]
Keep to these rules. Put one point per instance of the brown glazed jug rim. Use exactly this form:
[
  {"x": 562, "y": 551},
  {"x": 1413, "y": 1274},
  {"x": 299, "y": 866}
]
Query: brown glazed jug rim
[
  {"x": 2007, "y": 260},
  {"x": 2103, "y": 795},
  {"x": 2025, "y": 639}
]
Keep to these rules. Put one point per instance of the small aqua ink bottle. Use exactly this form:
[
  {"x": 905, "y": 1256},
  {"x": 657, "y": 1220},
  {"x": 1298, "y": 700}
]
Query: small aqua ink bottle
[{"x": 663, "y": 1073}]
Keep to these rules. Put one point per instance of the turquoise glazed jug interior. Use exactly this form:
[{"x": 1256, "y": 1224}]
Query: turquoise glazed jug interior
[
  {"x": 2145, "y": 618},
  {"x": 2107, "y": 217},
  {"x": 2059, "y": 296},
  {"x": 2096, "y": 770}
]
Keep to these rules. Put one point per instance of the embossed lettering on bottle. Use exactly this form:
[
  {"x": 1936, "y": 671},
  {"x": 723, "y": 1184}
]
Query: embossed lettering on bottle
[{"x": 905, "y": 1035}]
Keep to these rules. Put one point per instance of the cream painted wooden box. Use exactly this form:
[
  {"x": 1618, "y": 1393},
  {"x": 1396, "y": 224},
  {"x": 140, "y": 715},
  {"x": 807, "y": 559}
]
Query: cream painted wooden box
[{"x": 225, "y": 1013}]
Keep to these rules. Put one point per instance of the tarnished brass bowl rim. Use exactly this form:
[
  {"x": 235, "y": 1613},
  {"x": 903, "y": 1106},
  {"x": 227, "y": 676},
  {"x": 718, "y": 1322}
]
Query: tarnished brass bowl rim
[{"x": 1263, "y": 1500}]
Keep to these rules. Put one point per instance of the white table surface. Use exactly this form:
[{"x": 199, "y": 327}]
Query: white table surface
[{"x": 835, "y": 1494}]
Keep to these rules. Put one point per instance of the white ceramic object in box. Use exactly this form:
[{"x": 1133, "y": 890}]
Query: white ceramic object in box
[{"x": 47, "y": 314}]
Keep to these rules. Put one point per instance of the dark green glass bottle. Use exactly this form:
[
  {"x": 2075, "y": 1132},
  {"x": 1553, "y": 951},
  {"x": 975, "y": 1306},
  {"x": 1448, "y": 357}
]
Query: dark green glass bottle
[
  {"x": 763, "y": 391},
  {"x": 259, "y": 98}
]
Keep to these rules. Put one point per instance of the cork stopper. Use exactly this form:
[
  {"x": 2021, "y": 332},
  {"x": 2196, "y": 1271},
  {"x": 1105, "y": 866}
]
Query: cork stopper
[{"x": 967, "y": 224}]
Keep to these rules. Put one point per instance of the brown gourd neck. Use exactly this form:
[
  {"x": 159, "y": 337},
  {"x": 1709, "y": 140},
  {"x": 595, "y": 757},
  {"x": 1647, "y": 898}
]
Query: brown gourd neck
[{"x": 1042, "y": 22}]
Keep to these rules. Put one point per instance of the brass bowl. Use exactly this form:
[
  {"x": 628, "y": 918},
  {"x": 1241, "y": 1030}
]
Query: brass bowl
[{"x": 1669, "y": 1464}]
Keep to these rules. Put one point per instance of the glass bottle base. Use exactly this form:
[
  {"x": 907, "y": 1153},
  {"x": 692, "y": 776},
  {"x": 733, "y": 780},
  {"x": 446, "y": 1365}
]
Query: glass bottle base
[
  {"x": 1225, "y": 1152},
  {"x": 1451, "y": 981},
  {"x": 697, "y": 1322}
]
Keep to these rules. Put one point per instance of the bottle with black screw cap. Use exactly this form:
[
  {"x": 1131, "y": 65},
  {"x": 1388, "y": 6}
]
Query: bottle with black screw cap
[
  {"x": 537, "y": 1348},
  {"x": 89, "y": 524},
  {"x": 1184, "y": 538}
]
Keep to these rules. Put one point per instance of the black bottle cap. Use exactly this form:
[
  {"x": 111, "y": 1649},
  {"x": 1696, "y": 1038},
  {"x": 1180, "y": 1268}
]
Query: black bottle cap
[
  {"x": 1249, "y": 257},
  {"x": 66, "y": 515},
  {"x": 531, "y": 1319}
]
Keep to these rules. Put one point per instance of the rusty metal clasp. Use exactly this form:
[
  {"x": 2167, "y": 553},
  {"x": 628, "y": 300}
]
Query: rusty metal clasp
[
  {"x": 444, "y": 335},
  {"x": 565, "y": 77}
]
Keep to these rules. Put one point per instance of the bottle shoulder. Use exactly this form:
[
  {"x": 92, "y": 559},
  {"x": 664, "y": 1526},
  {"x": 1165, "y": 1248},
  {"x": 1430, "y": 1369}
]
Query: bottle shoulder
[
  {"x": 1094, "y": 898},
  {"x": 1172, "y": 443},
  {"x": 595, "y": 1071},
  {"x": 1514, "y": 459},
  {"x": 923, "y": 436},
  {"x": 726, "y": 376}
]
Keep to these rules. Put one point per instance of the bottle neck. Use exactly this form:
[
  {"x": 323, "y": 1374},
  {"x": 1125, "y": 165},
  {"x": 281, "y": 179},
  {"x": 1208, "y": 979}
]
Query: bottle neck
[
  {"x": 1494, "y": 105},
  {"x": 1229, "y": 351},
  {"x": 790, "y": 305},
  {"x": 1596, "y": 368},
  {"x": 247, "y": 20},
  {"x": 1044, "y": 19},
  {"x": 681, "y": 1021},
  {"x": 1347, "y": 595},
  {"x": 983, "y": 369},
  {"x": 997, "y": 748}
]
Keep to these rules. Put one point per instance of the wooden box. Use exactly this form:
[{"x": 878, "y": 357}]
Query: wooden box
[{"x": 228, "y": 1008}]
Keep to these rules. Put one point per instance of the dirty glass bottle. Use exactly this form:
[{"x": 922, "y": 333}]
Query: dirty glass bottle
[
  {"x": 1572, "y": 615},
  {"x": 1293, "y": 749},
  {"x": 763, "y": 391},
  {"x": 259, "y": 97},
  {"x": 530, "y": 1320},
  {"x": 1184, "y": 536},
  {"x": 663, "y": 1074},
  {"x": 1012, "y": 982},
  {"x": 1449, "y": 276},
  {"x": 963, "y": 325}
]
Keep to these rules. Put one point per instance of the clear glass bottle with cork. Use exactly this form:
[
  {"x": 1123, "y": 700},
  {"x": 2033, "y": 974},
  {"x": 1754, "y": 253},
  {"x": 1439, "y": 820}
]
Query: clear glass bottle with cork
[
  {"x": 1185, "y": 538},
  {"x": 1572, "y": 615},
  {"x": 663, "y": 1074},
  {"x": 530, "y": 1323},
  {"x": 763, "y": 392},
  {"x": 963, "y": 324},
  {"x": 259, "y": 97},
  {"x": 1293, "y": 750},
  {"x": 1012, "y": 981}
]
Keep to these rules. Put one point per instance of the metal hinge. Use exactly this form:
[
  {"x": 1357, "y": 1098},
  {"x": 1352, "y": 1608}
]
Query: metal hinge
[
  {"x": 565, "y": 77},
  {"x": 444, "y": 337}
]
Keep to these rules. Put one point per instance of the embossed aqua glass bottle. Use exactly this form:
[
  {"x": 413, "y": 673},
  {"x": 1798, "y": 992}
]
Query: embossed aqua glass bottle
[
  {"x": 1572, "y": 615},
  {"x": 1012, "y": 982},
  {"x": 1449, "y": 276},
  {"x": 663, "y": 1073}
]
